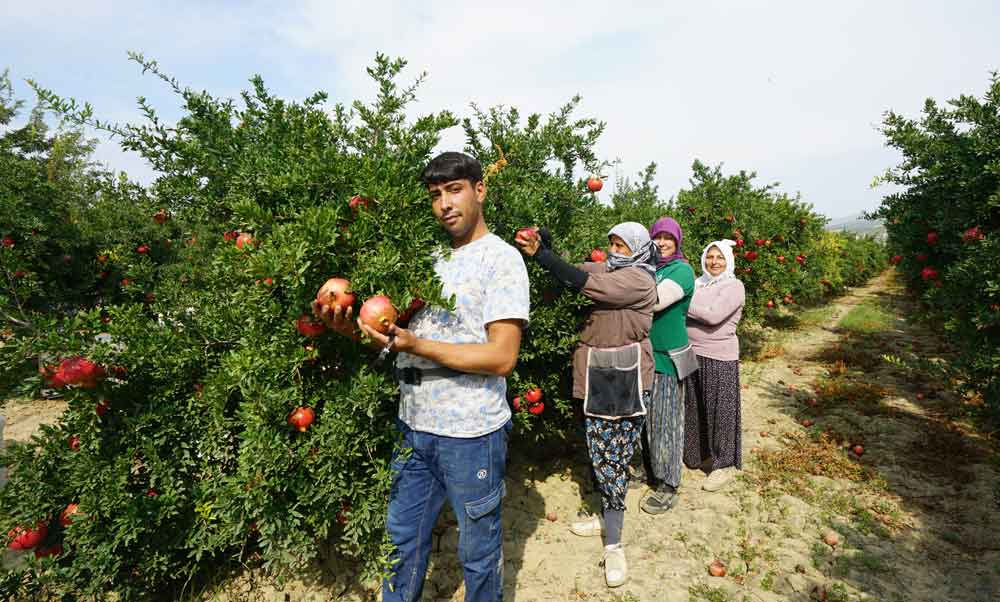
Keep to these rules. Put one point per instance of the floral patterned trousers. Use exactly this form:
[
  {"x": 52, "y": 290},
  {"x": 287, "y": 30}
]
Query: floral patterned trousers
[{"x": 611, "y": 444}]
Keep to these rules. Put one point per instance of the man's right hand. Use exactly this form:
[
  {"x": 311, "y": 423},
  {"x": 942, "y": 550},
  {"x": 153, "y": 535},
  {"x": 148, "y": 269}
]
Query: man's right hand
[{"x": 337, "y": 320}]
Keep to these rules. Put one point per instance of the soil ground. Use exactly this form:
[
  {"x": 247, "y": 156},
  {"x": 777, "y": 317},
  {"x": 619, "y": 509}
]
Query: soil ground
[{"x": 916, "y": 513}]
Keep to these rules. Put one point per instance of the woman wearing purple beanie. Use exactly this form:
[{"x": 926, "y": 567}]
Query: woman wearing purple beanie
[{"x": 663, "y": 435}]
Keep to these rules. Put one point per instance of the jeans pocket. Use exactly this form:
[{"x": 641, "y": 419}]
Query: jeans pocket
[{"x": 477, "y": 509}]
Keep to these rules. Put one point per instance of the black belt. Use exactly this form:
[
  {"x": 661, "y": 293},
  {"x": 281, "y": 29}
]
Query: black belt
[{"x": 415, "y": 376}]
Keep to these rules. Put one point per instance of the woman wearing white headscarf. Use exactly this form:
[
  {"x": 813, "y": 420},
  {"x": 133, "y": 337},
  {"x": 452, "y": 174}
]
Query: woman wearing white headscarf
[
  {"x": 712, "y": 406},
  {"x": 612, "y": 368}
]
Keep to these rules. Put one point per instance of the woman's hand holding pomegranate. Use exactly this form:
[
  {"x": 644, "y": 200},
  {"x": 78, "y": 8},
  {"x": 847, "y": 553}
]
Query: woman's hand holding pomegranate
[{"x": 527, "y": 239}]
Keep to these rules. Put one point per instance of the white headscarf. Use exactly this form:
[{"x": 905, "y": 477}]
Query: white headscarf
[{"x": 726, "y": 247}]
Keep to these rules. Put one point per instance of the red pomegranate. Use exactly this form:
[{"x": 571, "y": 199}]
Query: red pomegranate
[
  {"x": 537, "y": 408},
  {"x": 245, "y": 240},
  {"x": 66, "y": 516},
  {"x": 527, "y": 233},
  {"x": 301, "y": 418},
  {"x": 307, "y": 327},
  {"x": 928, "y": 273},
  {"x": 336, "y": 292},
  {"x": 25, "y": 539},
  {"x": 594, "y": 184},
  {"x": 416, "y": 305},
  {"x": 358, "y": 202},
  {"x": 378, "y": 313},
  {"x": 160, "y": 216},
  {"x": 598, "y": 256}
]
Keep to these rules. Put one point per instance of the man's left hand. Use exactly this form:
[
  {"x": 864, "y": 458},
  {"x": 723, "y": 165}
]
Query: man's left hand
[{"x": 403, "y": 339}]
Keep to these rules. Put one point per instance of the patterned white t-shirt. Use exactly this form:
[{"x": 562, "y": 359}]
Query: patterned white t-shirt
[{"x": 490, "y": 282}]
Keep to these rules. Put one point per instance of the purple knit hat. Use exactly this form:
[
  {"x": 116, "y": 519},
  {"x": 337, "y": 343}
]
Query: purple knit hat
[{"x": 669, "y": 226}]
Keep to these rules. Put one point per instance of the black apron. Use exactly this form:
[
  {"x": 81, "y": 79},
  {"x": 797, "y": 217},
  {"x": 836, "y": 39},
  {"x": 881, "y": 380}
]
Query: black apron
[{"x": 614, "y": 384}]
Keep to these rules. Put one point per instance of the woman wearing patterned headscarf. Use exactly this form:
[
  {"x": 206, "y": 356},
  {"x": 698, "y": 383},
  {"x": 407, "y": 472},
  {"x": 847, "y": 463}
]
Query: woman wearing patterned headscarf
[
  {"x": 612, "y": 368},
  {"x": 712, "y": 410},
  {"x": 663, "y": 440}
]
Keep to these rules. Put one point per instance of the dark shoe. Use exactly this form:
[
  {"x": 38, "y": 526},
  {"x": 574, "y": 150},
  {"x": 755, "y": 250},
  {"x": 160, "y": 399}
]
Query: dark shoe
[
  {"x": 660, "y": 501},
  {"x": 637, "y": 477}
]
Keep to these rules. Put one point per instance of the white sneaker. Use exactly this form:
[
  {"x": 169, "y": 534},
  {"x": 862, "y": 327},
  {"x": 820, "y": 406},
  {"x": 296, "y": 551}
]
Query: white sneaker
[
  {"x": 615, "y": 567},
  {"x": 717, "y": 479},
  {"x": 591, "y": 527}
]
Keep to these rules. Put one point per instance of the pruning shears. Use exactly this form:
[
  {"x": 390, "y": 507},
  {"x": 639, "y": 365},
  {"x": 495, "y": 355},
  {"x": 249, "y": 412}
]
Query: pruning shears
[{"x": 385, "y": 350}]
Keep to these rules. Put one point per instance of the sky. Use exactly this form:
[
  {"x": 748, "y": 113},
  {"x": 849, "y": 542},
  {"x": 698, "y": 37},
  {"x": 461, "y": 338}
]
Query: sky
[{"x": 793, "y": 90}]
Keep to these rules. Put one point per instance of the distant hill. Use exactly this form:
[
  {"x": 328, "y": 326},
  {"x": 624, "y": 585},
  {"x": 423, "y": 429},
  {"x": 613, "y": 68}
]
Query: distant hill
[{"x": 858, "y": 225}]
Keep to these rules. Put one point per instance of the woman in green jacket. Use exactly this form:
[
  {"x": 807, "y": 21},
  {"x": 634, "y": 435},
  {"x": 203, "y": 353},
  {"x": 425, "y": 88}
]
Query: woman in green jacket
[{"x": 663, "y": 436}]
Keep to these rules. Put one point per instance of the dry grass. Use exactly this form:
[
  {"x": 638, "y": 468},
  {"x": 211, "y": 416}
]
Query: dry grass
[
  {"x": 819, "y": 455},
  {"x": 840, "y": 389},
  {"x": 786, "y": 470}
]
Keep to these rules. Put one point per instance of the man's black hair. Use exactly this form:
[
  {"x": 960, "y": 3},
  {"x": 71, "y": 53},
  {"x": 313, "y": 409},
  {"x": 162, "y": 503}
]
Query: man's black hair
[{"x": 451, "y": 166}]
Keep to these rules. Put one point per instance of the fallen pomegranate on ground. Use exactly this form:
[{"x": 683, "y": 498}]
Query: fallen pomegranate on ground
[
  {"x": 717, "y": 569},
  {"x": 831, "y": 538},
  {"x": 551, "y": 517},
  {"x": 858, "y": 450}
]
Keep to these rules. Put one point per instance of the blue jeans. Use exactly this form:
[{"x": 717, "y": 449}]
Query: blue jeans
[{"x": 469, "y": 474}]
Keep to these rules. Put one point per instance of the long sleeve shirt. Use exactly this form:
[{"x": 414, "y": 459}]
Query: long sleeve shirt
[
  {"x": 623, "y": 314},
  {"x": 712, "y": 318}
]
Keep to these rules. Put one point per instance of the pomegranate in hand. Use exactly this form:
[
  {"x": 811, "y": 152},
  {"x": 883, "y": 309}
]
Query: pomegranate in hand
[
  {"x": 336, "y": 292},
  {"x": 378, "y": 313}
]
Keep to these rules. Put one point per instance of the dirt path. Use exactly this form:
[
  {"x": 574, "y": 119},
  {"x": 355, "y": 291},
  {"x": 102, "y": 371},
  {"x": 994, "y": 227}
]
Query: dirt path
[{"x": 916, "y": 514}]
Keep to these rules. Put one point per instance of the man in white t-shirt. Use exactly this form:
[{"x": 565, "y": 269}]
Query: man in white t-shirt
[{"x": 453, "y": 410}]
